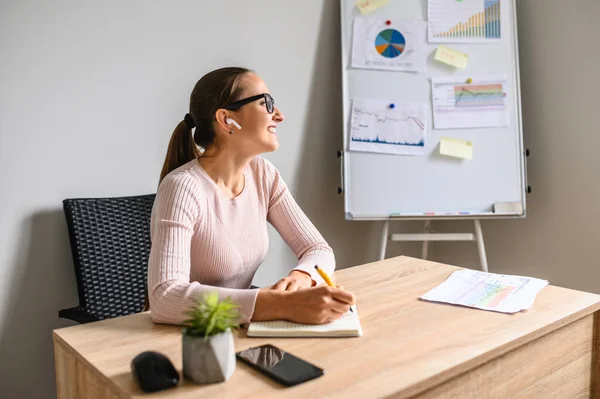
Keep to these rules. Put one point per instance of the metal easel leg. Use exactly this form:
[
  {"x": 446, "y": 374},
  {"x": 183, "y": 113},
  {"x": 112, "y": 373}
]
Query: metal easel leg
[
  {"x": 425, "y": 242},
  {"x": 480, "y": 246},
  {"x": 384, "y": 239}
]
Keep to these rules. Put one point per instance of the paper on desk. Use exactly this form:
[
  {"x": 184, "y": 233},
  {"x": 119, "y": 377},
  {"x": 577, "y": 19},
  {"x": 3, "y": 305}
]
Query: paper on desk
[{"x": 488, "y": 291}]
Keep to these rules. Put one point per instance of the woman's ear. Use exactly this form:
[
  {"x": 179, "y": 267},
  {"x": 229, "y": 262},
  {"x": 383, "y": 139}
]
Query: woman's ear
[{"x": 221, "y": 118}]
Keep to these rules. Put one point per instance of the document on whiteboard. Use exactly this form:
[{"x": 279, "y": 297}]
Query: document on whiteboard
[
  {"x": 487, "y": 291},
  {"x": 462, "y": 102},
  {"x": 388, "y": 127}
]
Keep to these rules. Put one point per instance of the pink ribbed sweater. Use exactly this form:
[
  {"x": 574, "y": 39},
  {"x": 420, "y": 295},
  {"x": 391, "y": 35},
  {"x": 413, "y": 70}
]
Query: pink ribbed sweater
[{"x": 203, "y": 241}]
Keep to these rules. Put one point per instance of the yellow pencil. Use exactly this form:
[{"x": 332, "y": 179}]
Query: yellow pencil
[{"x": 327, "y": 279}]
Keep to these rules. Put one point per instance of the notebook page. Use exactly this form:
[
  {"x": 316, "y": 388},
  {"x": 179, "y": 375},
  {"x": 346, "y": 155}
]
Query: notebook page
[{"x": 347, "y": 325}]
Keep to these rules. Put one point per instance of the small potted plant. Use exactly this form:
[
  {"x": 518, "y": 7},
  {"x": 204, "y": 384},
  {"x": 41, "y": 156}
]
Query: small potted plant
[{"x": 207, "y": 343}]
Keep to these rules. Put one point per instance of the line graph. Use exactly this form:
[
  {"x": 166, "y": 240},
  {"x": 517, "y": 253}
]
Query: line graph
[
  {"x": 387, "y": 119},
  {"x": 460, "y": 105},
  {"x": 376, "y": 127},
  {"x": 478, "y": 95},
  {"x": 487, "y": 294}
]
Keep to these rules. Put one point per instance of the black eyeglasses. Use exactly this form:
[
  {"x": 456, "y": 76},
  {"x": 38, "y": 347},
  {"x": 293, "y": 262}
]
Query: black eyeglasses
[{"x": 269, "y": 102}]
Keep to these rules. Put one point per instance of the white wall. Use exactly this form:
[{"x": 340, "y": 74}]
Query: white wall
[{"x": 90, "y": 92}]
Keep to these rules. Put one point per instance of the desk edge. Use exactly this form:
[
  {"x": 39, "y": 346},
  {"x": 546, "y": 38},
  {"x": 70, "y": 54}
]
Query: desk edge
[{"x": 457, "y": 370}]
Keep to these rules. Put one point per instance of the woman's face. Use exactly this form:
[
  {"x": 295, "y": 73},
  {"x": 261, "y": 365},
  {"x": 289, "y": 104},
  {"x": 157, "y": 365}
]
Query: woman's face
[{"x": 258, "y": 133}]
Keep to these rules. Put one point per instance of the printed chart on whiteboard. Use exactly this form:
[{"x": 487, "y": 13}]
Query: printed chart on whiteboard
[
  {"x": 466, "y": 21},
  {"x": 481, "y": 103},
  {"x": 389, "y": 128},
  {"x": 387, "y": 45}
]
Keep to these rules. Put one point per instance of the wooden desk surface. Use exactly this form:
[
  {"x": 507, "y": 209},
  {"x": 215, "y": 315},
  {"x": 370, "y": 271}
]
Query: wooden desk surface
[{"x": 408, "y": 347}]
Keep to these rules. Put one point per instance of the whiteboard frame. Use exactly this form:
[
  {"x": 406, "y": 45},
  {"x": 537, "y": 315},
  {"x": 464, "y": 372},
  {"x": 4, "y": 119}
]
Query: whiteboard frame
[{"x": 345, "y": 49}]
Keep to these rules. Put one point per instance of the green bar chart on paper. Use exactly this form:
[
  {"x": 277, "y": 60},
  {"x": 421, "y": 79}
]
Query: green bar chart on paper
[{"x": 467, "y": 21}]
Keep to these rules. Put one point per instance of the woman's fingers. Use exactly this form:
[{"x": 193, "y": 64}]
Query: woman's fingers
[
  {"x": 293, "y": 286},
  {"x": 287, "y": 284},
  {"x": 343, "y": 296},
  {"x": 339, "y": 307},
  {"x": 319, "y": 305},
  {"x": 281, "y": 285}
]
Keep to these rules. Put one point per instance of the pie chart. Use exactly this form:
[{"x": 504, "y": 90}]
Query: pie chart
[{"x": 390, "y": 43}]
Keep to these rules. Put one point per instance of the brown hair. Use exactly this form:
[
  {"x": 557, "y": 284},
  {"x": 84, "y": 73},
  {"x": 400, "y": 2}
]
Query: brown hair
[{"x": 213, "y": 91}]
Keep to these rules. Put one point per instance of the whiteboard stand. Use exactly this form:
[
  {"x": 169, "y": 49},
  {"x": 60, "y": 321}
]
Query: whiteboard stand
[{"x": 427, "y": 235}]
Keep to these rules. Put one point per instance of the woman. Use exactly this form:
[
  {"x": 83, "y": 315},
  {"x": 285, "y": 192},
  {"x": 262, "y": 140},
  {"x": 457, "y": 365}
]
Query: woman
[{"x": 209, "y": 221}]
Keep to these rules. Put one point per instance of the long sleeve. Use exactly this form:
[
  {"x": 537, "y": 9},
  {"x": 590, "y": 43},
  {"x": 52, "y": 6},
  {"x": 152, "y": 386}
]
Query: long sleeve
[
  {"x": 296, "y": 229},
  {"x": 176, "y": 212}
]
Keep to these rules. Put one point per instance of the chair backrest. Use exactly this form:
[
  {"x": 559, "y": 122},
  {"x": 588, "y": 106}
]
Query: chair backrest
[{"x": 110, "y": 243}]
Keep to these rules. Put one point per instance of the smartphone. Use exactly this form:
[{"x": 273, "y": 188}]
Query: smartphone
[{"x": 281, "y": 366}]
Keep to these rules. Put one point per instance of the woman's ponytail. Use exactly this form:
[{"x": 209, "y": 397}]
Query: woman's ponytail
[
  {"x": 182, "y": 149},
  {"x": 211, "y": 92}
]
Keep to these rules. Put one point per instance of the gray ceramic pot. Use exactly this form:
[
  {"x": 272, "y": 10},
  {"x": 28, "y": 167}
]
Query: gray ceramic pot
[{"x": 205, "y": 362}]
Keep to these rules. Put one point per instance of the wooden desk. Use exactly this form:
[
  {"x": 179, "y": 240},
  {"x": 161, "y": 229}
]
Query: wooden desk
[{"x": 410, "y": 348}]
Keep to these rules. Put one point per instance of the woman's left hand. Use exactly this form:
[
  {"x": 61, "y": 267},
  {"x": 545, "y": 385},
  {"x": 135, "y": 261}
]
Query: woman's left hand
[{"x": 295, "y": 281}]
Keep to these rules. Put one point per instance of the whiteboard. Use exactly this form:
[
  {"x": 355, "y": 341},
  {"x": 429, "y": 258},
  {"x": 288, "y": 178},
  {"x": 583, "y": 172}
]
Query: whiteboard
[{"x": 389, "y": 186}]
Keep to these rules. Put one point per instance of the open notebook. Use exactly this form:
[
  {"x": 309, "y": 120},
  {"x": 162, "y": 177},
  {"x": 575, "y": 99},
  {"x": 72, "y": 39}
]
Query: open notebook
[{"x": 347, "y": 326}]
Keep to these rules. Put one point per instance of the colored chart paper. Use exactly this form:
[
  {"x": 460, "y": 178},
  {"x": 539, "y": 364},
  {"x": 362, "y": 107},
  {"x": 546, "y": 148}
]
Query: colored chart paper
[
  {"x": 488, "y": 291},
  {"x": 467, "y": 21},
  {"x": 388, "y": 45},
  {"x": 457, "y": 104}
]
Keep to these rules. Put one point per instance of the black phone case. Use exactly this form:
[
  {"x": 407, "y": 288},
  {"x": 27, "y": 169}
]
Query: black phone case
[{"x": 287, "y": 383}]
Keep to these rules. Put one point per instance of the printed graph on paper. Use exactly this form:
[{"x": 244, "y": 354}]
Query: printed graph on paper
[
  {"x": 393, "y": 46},
  {"x": 466, "y": 21},
  {"x": 482, "y": 95},
  {"x": 457, "y": 104},
  {"x": 487, "y": 294},
  {"x": 488, "y": 291},
  {"x": 377, "y": 126}
]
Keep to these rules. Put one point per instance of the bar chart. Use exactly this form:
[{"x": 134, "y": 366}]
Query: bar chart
[{"x": 470, "y": 21}]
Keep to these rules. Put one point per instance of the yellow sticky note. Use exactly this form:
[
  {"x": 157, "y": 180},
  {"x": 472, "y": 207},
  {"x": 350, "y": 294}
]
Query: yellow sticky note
[
  {"x": 368, "y": 6},
  {"x": 452, "y": 57},
  {"x": 456, "y": 148}
]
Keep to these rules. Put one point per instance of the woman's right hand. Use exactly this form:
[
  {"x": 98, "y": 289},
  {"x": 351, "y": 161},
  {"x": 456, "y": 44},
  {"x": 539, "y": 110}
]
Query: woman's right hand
[{"x": 317, "y": 305}]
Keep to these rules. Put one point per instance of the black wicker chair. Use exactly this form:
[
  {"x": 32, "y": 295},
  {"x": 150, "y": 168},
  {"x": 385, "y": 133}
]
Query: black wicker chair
[{"x": 110, "y": 244}]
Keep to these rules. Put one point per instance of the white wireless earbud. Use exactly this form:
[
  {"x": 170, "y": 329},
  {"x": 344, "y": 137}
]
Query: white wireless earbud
[{"x": 232, "y": 122}]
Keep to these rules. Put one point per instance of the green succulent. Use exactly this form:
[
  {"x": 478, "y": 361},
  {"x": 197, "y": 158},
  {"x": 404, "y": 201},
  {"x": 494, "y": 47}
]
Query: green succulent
[{"x": 209, "y": 316}]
